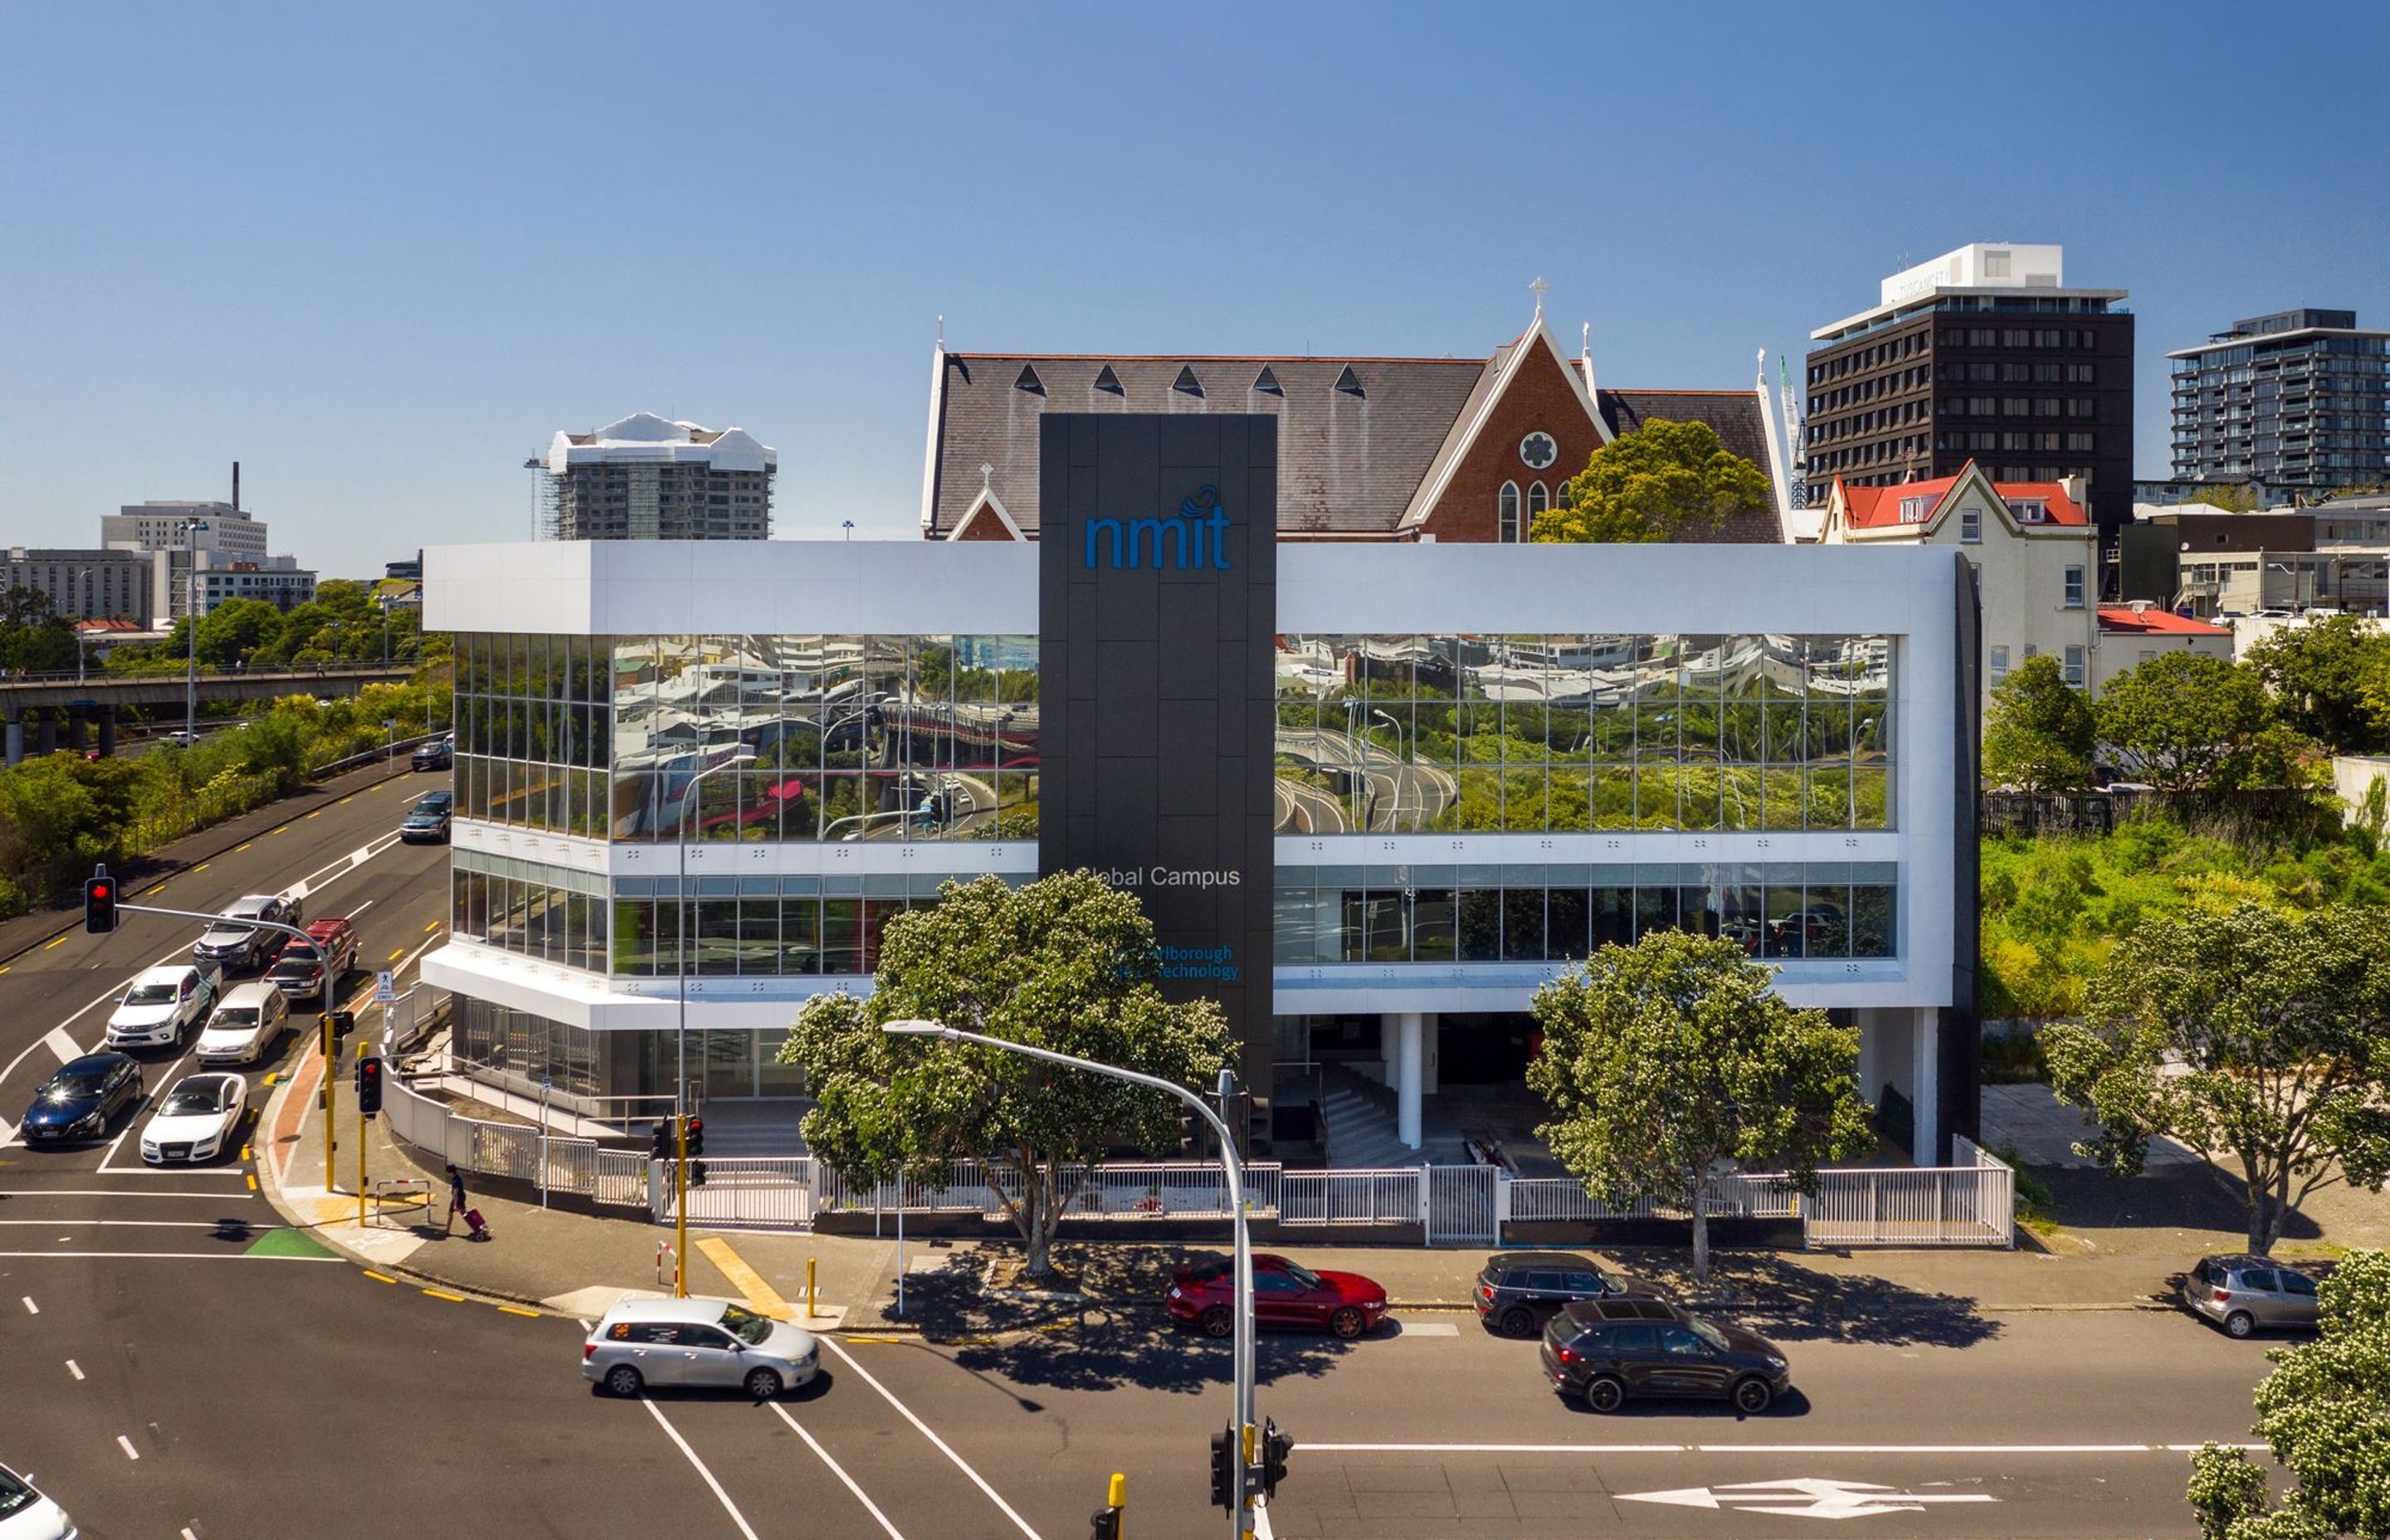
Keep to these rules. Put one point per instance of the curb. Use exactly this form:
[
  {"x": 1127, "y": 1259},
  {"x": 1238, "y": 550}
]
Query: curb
[{"x": 71, "y": 927}]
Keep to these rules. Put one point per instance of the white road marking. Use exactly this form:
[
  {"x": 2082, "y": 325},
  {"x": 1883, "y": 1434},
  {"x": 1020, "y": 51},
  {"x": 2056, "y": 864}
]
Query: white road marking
[
  {"x": 960, "y": 1464},
  {"x": 63, "y": 1046},
  {"x": 31, "y": 1308},
  {"x": 169, "y": 1256},
  {"x": 839, "y": 1471},
  {"x": 73, "y": 1368},
  {"x": 126, "y": 1445},
  {"x": 1760, "y": 1449},
  {"x": 1805, "y": 1497},
  {"x": 1262, "y": 1530},
  {"x": 1428, "y": 1329},
  {"x": 723, "y": 1497}
]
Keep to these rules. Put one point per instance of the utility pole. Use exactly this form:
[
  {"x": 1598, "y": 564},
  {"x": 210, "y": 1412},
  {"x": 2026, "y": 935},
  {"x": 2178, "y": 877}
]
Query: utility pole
[{"x": 192, "y": 530}]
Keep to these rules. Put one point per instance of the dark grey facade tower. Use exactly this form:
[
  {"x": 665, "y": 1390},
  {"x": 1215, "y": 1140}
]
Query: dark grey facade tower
[
  {"x": 2298, "y": 399},
  {"x": 1157, "y": 605}
]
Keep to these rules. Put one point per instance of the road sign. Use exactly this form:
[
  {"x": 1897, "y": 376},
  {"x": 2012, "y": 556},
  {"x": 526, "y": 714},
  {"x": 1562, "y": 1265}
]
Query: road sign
[
  {"x": 385, "y": 988},
  {"x": 1805, "y": 1497}
]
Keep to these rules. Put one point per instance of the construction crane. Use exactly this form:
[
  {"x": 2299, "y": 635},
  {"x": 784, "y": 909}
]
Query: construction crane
[{"x": 1796, "y": 422}]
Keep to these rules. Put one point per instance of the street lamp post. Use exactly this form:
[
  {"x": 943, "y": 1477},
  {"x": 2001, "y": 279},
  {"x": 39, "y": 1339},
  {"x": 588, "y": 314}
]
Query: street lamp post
[
  {"x": 79, "y": 638},
  {"x": 680, "y": 1034},
  {"x": 1243, "y": 1380},
  {"x": 192, "y": 530}
]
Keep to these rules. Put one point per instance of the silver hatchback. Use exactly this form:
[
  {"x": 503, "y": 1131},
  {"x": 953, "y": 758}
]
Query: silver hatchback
[
  {"x": 2242, "y": 1293},
  {"x": 695, "y": 1343}
]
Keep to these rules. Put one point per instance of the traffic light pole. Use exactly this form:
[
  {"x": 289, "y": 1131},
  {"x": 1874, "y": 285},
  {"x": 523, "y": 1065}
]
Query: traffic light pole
[
  {"x": 680, "y": 1207},
  {"x": 1242, "y": 1491}
]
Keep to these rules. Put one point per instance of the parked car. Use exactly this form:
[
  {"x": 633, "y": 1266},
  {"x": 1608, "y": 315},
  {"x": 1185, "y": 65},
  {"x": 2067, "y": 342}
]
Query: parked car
[
  {"x": 427, "y": 821},
  {"x": 161, "y": 1007},
  {"x": 2242, "y": 1293},
  {"x": 247, "y": 1023},
  {"x": 198, "y": 1120},
  {"x": 231, "y": 943},
  {"x": 1607, "y": 1351},
  {"x": 298, "y": 970},
  {"x": 438, "y": 754},
  {"x": 696, "y": 1341},
  {"x": 78, "y": 1103},
  {"x": 25, "y": 1514},
  {"x": 1285, "y": 1294},
  {"x": 1518, "y": 1291}
]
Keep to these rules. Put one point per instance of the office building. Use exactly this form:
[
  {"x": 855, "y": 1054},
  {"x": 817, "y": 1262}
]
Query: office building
[
  {"x": 1372, "y": 792},
  {"x": 2130, "y": 635},
  {"x": 84, "y": 585},
  {"x": 643, "y": 478},
  {"x": 2212, "y": 565},
  {"x": 1982, "y": 353},
  {"x": 278, "y": 580},
  {"x": 159, "y": 526},
  {"x": 2299, "y": 399}
]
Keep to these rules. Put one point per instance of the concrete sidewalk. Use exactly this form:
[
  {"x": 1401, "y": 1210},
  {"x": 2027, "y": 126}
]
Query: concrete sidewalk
[{"x": 577, "y": 1264}]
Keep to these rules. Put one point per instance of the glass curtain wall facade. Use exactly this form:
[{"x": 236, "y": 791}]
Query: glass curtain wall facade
[{"x": 1544, "y": 734}]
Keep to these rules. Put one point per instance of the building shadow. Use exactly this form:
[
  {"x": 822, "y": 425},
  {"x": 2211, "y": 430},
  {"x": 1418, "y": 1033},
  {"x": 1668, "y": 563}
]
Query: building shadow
[
  {"x": 1782, "y": 1297},
  {"x": 2182, "y": 1197}
]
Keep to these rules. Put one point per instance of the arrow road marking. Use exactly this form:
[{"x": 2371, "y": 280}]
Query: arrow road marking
[{"x": 1805, "y": 1497}]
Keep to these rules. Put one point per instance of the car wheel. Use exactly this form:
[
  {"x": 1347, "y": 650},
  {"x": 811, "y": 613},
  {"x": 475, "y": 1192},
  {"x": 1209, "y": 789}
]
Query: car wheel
[
  {"x": 2240, "y": 1324},
  {"x": 1752, "y": 1396},
  {"x": 1347, "y": 1323},
  {"x": 763, "y": 1384},
  {"x": 622, "y": 1381},
  {"x": 1219, "y": 1321},
  {"x": 1518, "y": 1321},
  {"x": 1604, "y": 1393}
]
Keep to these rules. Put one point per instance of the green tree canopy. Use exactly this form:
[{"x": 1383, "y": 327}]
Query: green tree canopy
[
  {"x": 1655, "y": 483},
  {"x": 235, "y": 629},
  {"x": 2187, "y": 720},
  {"x": 2250, "y": 1034},
  {"x": 2039, "y": 733},
  {"x": 1065, "y": 963},
  {"x": 2325, "y": 1412},
  {"x": 2232, "y": 497},
  {"x": 1664, "y": 1060},
  {"x": 2318, "y": 672}
]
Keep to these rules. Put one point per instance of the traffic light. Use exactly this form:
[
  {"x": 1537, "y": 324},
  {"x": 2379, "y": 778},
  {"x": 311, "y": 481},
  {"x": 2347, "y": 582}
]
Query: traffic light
[
  {"x": 696, "y": 1137},
  {"x": 99, "y": 906},
  {"x": 1275, "y": 1447},
  {"x": 368, "y": 1086},
  {"x": 343, "y": 1022},
  {"x": 1225, "y": 1457},
  {"x": 659, "y": 1142}
]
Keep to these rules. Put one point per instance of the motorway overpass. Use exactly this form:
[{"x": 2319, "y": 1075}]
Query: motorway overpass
[{"x": 47, "y": 712}]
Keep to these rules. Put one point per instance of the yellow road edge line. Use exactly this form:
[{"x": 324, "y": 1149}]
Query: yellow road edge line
[
  {"x": 252, "y": 1179},
  {"x": 518, "y": 1310},
  {"x": 61, "y": 941},
  {"x": 283, "y": 828},
  {"x": 761, "y": 1296},
  {"x": 4, "y": 967},
  {"x": 317, "y": 813},
  {"x": 395, "y": 956},
  {"x": 871, "y": 1339},
  {"x": 202, "y": 866},
  {"x": 273, "y": 1075},
  {"x": 346, "y": 801},
  {"x": 443, "y": 1294},
  {"x": 379, "y": 1278},
  {"x": 433, "y": 926},
  {"x": 242, "y": 846}
]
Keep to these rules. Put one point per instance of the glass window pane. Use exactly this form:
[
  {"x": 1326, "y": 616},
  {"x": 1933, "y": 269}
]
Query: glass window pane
[
  {"x": 1871, "y": 922},
  {"x": 1481, "y": 924},
  {"x": 1523, "y": 924},
  {"x": 1434, "y": 925}
]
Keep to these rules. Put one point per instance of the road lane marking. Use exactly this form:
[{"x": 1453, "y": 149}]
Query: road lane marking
[
  {"x": 252, "y": 1179},
  {"x": 126, "y": 1445},
  {"x": 427, "y": 930},
  {"x": 377, "y": 1277},
  {"x": 518, "y": 1310},
  {"x": 396, "y": 954},
  {"x": 839, "y": 1471},
  {"x": 74, "y": 1369},
  {"x": 960, "y": 1464},
  {"x": 682, "y": 1444},
  {"x": 48, "y": 944},
  {"x": 31, "y": 1308},
  {"x": 762, "y": 1296},
  {"x": 443, "y": 1294},
  {"x": 1805, "y": 1497},
  {"x": 346, "y": 801},
  {"x": 63, "y": 1046},
  {"x": 317, "y": 813},
  {"x": 242, "y": 846},
  {"x": 202, "y": 866}
]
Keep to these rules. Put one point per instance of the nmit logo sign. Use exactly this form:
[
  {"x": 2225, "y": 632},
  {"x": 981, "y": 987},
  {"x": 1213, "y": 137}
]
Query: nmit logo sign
[{"x": 1195, "y": 538}]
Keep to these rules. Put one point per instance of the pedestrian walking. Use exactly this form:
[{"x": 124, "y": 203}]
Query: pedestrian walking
[{"x": 455, "y": 1199}]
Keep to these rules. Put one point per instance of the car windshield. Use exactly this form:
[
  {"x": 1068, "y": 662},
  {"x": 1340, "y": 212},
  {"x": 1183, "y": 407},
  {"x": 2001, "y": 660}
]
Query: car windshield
[
  {"x": 1303, "y": 1275},
  {"x": 745, "y": 1325},
  {"x": 190, "y": 1098},
  {"x": 14, "y": 1494},
  {"x": 1707, "y": 1332},
  {"x": 234, "y": 1015},
  {"x": 70, "y": 1087},
  {"x": 151, "y": 995},
  {"x": 295, "y": 962},
  {"x": 229, "y": 928}
]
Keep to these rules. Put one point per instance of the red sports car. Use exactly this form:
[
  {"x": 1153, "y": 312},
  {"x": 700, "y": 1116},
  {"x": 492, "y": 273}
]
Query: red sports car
[{"x": 1285, "y": 1294}]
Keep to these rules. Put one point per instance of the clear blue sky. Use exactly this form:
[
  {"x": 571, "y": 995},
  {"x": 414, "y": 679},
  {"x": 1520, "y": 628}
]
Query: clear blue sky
[{"x": 378, "y": 254}]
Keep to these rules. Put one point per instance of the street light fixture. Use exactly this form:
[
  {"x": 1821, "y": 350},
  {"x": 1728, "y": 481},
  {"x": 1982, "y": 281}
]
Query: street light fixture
[
  {"x": 915, "y": 1027},
  {"x": 682, "y": 910}
]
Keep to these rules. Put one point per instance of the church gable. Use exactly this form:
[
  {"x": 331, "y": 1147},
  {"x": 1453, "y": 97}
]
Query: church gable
[{"x": 1531, "y": 437}]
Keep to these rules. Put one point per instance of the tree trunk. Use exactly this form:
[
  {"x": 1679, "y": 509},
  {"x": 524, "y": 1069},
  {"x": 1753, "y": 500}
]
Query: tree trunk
[
  {"x": 2265, "y": 1212},
  {"x": 1037, "y": 1202},
  {"x": 1700, "y": 1237}
]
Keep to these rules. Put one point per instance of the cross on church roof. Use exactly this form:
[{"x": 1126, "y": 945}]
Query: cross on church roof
[{"x": 1538, "y": 287}]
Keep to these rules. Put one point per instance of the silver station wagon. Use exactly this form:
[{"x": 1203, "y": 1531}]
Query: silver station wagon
[{"x": 694, "y": 1343}]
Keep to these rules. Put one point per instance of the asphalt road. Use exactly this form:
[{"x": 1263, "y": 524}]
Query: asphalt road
[{"x": 177, "y": 1364}]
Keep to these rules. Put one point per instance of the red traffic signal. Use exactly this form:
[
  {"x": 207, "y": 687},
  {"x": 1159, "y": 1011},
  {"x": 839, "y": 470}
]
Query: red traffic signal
[
  {"x": 696, "y": 1136},
  {"x": 99, "y": 906},
  {"x": 368, "y": 1086}
]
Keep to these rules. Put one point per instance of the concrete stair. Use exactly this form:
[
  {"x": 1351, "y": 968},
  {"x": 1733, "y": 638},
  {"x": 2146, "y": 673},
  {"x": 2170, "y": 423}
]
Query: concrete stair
[{"x": 1359, "y": 1114}]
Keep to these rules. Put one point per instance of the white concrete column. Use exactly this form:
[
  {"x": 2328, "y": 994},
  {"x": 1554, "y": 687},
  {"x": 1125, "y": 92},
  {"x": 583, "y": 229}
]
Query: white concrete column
[
  {"x": 1408, "y": 1030},
  {"x": 1925, "y": 1090}
]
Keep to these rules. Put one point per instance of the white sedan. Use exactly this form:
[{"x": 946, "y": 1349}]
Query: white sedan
[{"x": 196, "y": 1120}]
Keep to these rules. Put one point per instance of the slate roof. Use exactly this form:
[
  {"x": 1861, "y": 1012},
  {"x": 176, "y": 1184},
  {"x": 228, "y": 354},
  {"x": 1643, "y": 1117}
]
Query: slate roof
[{"x": 1348, "y": 463}]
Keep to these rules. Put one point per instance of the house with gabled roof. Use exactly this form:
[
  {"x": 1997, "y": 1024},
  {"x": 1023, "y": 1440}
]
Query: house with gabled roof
[
  {"x": 1370, "y": 449},
  {"x": 2033, "y": 543}
]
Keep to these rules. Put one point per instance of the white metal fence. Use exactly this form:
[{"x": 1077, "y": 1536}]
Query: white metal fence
[
  {"x": 740, "y": 1192},
  {"x": 1971, "y": 1203}
]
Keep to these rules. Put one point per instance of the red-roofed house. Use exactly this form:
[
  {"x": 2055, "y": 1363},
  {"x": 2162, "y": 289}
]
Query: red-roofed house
[
  {"x": 2134, "y": 632},
  {"x": 2033, "y": 545}
]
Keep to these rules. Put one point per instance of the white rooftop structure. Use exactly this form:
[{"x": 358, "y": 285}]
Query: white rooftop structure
[
  {"x": 643, "y": 436},
  {"x": 1982, "y": 267}
]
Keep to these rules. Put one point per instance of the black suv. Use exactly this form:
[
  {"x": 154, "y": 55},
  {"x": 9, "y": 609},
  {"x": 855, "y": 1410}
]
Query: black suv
[
  {"x": 1518, "y": 1291},
  {"x": 1610, "y": 1350}
]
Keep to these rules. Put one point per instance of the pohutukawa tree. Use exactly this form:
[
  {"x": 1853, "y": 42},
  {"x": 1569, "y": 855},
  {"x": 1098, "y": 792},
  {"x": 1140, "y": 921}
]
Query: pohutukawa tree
[
  {"x": 1665, "y": 1061},
  {"x": 1066, "y": 963}
]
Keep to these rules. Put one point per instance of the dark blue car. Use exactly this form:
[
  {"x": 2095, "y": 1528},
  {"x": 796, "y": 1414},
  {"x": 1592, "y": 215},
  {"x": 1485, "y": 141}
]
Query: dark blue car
[{"x": 79, "y": 1102}]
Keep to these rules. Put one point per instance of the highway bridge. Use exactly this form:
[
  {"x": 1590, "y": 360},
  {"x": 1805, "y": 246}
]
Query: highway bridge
[{"x": 45, "y": 712}]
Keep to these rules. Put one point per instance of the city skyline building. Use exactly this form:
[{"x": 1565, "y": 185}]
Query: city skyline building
[
  {"x": 648, "y": 478},
  {"x": 2298, "y": 400}
]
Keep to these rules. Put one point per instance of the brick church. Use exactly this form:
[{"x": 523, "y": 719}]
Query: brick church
[{"x": 1441, "y": 449}]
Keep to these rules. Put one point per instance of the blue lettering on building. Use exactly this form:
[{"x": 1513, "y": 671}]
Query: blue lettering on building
[{"x": 1197, "y": 537}]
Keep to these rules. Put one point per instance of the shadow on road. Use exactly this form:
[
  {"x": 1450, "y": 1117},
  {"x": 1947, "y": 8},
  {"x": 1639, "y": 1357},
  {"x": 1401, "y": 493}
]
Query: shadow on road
[
  {"x": 1781, "y": 1297},
  {"x": 1790, "y": 1404},
  {"x": 2171, "y": 1197}
]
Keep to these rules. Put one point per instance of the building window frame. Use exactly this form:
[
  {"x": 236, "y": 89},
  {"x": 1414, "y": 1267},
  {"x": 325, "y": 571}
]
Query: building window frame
[
  {"x": 1971, "y": 526},
  {"x": 2073, "y": 594},
  {"x": 1505, "y": 514},
  {"x": 1999, "y": 663},
  {"x": 2073, "y": 667}
]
